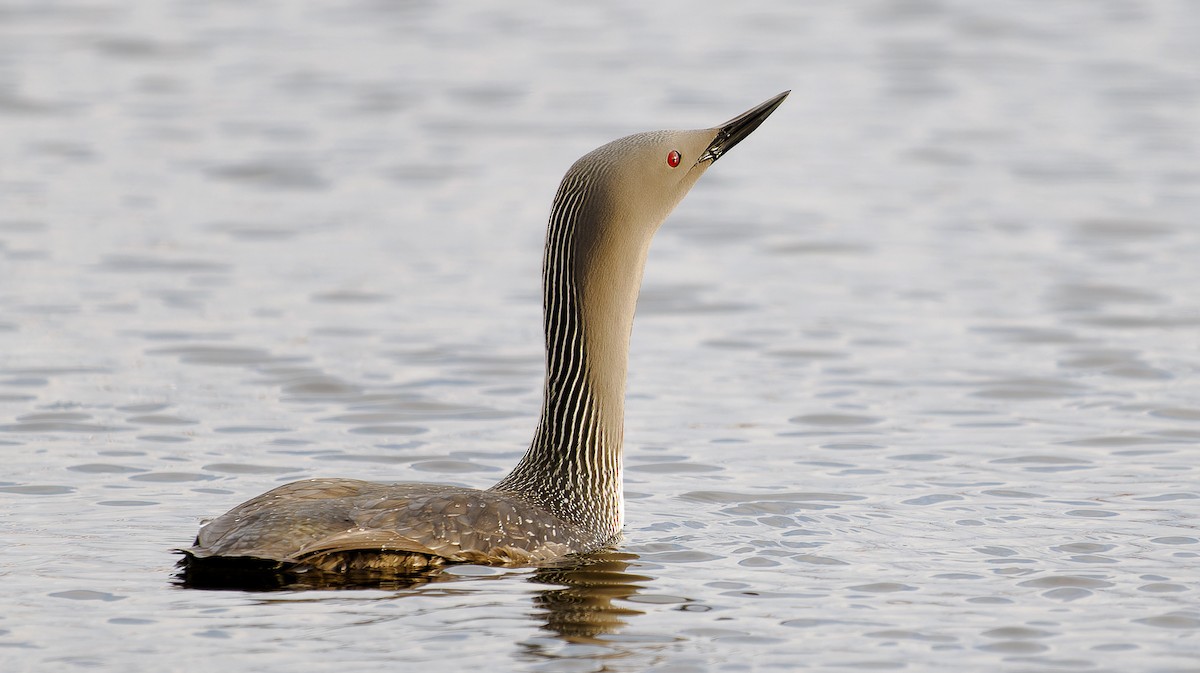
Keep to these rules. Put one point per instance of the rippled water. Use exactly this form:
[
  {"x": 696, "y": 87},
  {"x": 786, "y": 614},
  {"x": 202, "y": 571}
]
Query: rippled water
[{"x": 913, "y": 382}]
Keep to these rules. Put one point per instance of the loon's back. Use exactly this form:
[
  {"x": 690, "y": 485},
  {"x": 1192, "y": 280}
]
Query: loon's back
[{"x": 340, "y": 525}]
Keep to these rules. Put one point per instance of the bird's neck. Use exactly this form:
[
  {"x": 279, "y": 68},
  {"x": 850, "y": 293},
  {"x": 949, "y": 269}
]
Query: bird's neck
[{"x": 591, "y": 276}]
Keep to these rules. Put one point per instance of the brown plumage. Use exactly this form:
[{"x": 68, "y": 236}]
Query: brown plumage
[
  {"x": 342, "y": 525},
  {"x": 565, "y": 495}
]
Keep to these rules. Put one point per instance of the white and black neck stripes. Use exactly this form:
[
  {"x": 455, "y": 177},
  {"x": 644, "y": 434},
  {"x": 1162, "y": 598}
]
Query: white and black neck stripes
[{"x": 573, "y": 466}]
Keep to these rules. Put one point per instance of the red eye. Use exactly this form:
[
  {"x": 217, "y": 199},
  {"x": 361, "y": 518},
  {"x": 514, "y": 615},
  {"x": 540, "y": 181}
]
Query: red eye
[{"x": 673, "y": 158}]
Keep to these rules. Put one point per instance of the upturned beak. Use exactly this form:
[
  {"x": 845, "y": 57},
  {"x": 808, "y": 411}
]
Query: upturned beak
[{"x": 735, "y": 130}]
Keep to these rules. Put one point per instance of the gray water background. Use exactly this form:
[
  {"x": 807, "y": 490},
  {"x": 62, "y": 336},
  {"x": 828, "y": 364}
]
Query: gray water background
[{"x": 913, "y": 383}]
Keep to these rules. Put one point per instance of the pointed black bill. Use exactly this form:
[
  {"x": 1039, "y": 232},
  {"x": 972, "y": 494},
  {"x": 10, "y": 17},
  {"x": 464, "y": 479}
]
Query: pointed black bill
[{"x": 735, "y": 130}]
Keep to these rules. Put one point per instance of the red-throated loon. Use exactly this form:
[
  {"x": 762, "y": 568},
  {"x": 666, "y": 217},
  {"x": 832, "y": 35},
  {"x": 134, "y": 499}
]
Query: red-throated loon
[{"x": 565, "y": 495}]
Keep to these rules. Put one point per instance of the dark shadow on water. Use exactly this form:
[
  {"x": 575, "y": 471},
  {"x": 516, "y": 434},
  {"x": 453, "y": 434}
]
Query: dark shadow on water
[
  {"x": 576, "y": 605},
  {"x": 259, "y": 575}
]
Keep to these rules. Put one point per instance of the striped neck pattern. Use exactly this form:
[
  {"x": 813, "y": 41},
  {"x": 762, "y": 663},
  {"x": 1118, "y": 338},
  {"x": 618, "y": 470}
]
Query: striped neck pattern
[{"x": 573, "y": 466}]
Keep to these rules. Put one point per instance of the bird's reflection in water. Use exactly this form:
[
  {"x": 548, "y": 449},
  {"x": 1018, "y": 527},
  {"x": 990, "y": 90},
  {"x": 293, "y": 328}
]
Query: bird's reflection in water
[
  {"x": 580, "y": 607},
  {"x": 577, "y": 605}
]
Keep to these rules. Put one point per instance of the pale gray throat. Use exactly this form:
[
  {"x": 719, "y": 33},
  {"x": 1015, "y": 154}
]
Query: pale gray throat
[{"x": 573, "y": 466}]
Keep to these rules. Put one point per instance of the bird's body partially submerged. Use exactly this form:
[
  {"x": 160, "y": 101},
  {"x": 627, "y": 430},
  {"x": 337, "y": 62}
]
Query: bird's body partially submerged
[
  {"x": 347, "y": 525},
  {"x": 565, "y": 495}
]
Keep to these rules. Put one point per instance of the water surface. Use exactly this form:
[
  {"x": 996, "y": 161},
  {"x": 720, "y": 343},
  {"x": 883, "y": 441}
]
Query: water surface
[{"x": 912, "y": 383}]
